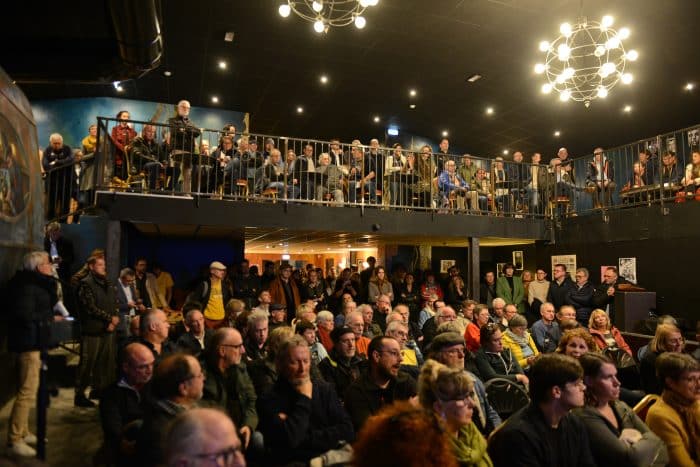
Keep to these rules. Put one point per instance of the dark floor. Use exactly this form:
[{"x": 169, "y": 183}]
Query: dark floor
[{"x": 74, "y": 434}]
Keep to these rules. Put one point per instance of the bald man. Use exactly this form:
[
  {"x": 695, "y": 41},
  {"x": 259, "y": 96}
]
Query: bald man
[{"x": 205, "y": 436}]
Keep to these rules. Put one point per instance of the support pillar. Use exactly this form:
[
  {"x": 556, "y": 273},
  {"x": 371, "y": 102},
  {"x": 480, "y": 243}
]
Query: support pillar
[{"x": 474, "y": 270}]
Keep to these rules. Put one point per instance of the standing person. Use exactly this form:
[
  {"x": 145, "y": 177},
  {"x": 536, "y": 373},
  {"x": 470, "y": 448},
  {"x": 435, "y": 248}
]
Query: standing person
[
  {"x": 182, "y": 141},
  {"x": 365, "y": 277},
  {"x": 488, "y": 288},
  {"x": 214, "y": 293},
  {"x": 604, "y": 295},
  {"x": 510, "y": 288},
  {"x": 246, "y": 286},
  {"x": 581, "y": 296},
  {"x": 559, "y": 288},
  {"x": 99, "y": 317},
  {"x": 30, "y": 315},
  {"x": 380, "y": 285},
  {"x": 284, "y": 290},
  {"x": 544, "y": 433},
  {"x": 60, "y": 250},
  {"x": 57, "y": 161},
  {"x": 537, "y": 291},
  {"x": 122, "y": 136}
]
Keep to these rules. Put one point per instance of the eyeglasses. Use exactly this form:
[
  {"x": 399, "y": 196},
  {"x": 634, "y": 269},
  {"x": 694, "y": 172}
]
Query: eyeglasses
[
  {"x": 227, "y": 457},
  {"x": 458, "y": 351},
  {"x": 393, "y": 353}
]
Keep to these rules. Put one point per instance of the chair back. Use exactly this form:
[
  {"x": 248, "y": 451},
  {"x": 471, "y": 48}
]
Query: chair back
[
  {"x": 643, "y": 406},
  {"x": 505, "y": 396}
]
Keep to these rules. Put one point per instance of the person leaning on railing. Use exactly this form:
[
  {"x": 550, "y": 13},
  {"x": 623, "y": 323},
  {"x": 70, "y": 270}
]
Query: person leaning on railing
[
  {"x": 57, "y": 162},
  {"x": 691, "y": 181}
]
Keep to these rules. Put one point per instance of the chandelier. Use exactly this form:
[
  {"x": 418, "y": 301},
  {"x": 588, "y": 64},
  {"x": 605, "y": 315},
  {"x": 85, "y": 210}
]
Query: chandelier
[
  {"x": 586, "y": 61},
  {"x": 326, "y": 13}
]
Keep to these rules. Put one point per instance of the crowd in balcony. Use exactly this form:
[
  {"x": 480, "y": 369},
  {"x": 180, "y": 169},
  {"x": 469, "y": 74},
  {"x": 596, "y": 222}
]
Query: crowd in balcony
[
  {"x": 179, "y": 157},
  {"x": 302, "y": 363}
]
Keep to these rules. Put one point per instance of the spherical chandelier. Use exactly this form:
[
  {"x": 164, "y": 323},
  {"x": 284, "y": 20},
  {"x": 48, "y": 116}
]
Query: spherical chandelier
[
  {"x": 326, "y": 13},
  {"x": 586, "y": 61}
]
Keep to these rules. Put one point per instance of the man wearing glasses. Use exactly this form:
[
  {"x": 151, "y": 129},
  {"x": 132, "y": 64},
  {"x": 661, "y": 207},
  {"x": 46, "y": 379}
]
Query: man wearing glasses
[
  {"x": 544, "y": 432},
  {"x": 381, "y": 385},
  {"x": 604, "y": 296}
]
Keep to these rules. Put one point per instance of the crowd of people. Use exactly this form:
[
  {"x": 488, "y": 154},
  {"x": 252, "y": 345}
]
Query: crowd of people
[
  {"x": 292, "y": 366},
  {"x": 180, "y": 157}
]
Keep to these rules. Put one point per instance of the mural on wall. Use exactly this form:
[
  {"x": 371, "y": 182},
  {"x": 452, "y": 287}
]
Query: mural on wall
[
  {"x": 72, "y": 117},
  {"x": 21, "y": 204}
]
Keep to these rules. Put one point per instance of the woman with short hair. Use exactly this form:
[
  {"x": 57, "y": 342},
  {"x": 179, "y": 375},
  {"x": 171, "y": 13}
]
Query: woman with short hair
[
  {"x": 520, "y": 342},
  {"x": 495, "y": 361},
  {"x": 667, "y": 338}
]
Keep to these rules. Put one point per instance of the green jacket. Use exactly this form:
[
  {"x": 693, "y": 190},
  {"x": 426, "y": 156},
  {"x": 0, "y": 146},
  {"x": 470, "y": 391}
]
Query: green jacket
[
  {"x": 233, "y": 391},
  {"x": 515, "y": 296}
]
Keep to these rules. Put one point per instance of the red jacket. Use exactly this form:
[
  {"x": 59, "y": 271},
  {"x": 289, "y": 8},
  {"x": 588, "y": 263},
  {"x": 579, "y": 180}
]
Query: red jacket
[
  {"x": 472, "y": 337},
  {"x": 600, "y": 339}
]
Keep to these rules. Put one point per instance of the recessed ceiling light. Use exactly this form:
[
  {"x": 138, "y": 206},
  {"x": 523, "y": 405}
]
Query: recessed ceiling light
[
  {"x": 474, "y": 78},
  {"x": 300, "y": 110},
  {"x": 689, "y": 86},
  {"x": 376, "y": 119},
  {"x": 228, "y": 37},
  {"x": 627, "y": 108},
  {"x": 412, "y": 93},
  {"x": 118, "y": 86},
  {"x": 167, "y": 73},
  {"x": 222, "y": 65},
  {"x": 489, "y": 110},
  {"x": 323, "y": 79},
  {"x": 214, "y": 99},
  {"x": 505, "y": 152},
  {"x": 412, "y": 106},
  {"x": 557, "y": 133},
  {"x": 444, "y": 133}
]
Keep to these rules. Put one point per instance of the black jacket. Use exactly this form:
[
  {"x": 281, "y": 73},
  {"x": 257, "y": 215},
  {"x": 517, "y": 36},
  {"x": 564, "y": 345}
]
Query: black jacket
[
  {"x": 582, "y": 300},
  {"x": 364, "y": 398},
  {"x": 341, "y": 372},
  {"x": 203, "y": 290},
  {"x": 189, "y": 344},
  {"x": 65, "y": 252},
  {"x": 120, "y": 404},
  {"x": 601, "y": 299},
  {"x": 98, "y": 305},
  {"x": 557, "y": 293},
  {"x": 182, "y": 134},
  {"x": 30, "y": 310}
]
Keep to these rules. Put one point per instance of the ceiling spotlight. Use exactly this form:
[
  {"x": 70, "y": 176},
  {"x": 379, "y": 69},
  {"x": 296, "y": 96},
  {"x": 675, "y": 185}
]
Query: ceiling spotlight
[
  {"x": 627, "y": 109},
  {"x": 118, "y": 86},
  {"x": 565, "y": 95},
  {"x": 412, "y": 93},
  {"x": 323, "y": 79},
  {"x": 167, "y": 73},
  {"x": 222, "y": 65},
  {"x": 505, "y": 152},
  {"x": 300, "y": 110},
  {"x": 444, "y": 133},
  {"x": 565, "y": 29},
  {"x": 602, "y": 92},
  {"x": 474, "y": 78},
  {"x": 376, "y": 119},
  {"x": 214, "y": 99},
  {"x": 412, "y": 106},
  {"x": 689, "y": 86},
  {"x": 489, "y": 110},
  {"x": 557, "y": 133}
]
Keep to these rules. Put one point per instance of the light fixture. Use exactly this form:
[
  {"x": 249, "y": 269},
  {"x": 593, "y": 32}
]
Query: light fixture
[
  {"x": 689, "y": 86},
  {"x": 118, "y": 86},
  {"x": 222, "y": 65},
  {"x": 323, "y": 79},
  {"x": 214, "y": 99},
  {"x": 300, "y": 110},
  {"x": 167, "y": 73},
  {"x": 376, "y": 119},
  {"x": 586, "y": 61},
  {"x": 489, "y": 110},
  {"x": 627, "y": 109},
  {"x": 445, "y": 133},
  {"x": 325, "y": 14},
  {"x": 228, "y": 36},
  {"x": 505, "y": 152},
  {"x": 557, "y": 133},
  {"x": 474, "y": 78},
  {"x": 412, "y": 106},
  {"x": 412, "y": 93}
]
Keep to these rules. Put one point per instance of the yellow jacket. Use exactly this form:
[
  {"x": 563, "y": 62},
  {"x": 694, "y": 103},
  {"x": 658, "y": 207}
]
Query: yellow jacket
[
  {"x": 668, "y": 425},
  {"x": 517, "y": 351}
]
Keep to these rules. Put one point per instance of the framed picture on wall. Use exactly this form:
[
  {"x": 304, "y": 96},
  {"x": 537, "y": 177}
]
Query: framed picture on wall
[
  {"x": 518, "y": 260},
  {"x": 567, "y": 260},
  {"x": 499, "y": 269},
  {"x": 446, "y": 264},
  {"x": 627, "y": 268}
]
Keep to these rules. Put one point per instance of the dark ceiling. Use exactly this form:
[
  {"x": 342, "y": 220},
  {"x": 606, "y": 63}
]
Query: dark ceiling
[{"x": 432, "y": 46}]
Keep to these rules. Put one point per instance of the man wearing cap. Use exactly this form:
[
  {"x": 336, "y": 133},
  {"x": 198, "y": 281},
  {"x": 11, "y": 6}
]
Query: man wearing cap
[
  {"x": 343, "y": 365},
  {"x": 381, "y": 385},
  {"x": 285, "y": 291},
  {"x": 214, "y": 293},
  {"x": 278, "y": 316},
  {"x": 448, "y": 348}
]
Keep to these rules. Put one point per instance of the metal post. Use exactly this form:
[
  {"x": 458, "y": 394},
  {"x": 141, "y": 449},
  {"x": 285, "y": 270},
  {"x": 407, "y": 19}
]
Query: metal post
[{"x": 474, "y": 271}]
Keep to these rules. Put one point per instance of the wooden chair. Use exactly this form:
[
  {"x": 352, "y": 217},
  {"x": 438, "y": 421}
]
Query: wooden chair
[
  {"x": 643, "y": 406},
  {"x": 557, "y": 201},
  {"x": 270, "y": 193},
  {"x": 242, "y": 186}
]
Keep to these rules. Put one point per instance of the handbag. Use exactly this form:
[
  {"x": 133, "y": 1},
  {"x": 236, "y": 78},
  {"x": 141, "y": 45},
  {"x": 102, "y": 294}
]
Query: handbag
[{"x": 621, "y": 358}]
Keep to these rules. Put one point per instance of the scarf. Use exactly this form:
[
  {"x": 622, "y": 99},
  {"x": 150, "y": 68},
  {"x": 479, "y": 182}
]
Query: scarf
[
  {"x": 688, "y": 413},
  {"x": 521, "y": 341},
  {"x": 469, "y": 447}
]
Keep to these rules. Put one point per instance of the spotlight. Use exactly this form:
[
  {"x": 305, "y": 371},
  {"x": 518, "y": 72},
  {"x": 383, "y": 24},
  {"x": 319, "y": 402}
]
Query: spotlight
[
  {"x": 214, "y": 99},
  {"x": 489, "y": 110},
  {"x": 300, "y": 110},
  {"x": 323, "y": 79},
  {"x": 412, "y": 93},
  {"x": 376, "y": 119},
  {"x": 222, "y": 65}
]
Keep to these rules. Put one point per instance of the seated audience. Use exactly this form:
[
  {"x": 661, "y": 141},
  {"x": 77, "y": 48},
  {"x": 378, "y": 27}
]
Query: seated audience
[
  {"x": 278, "y": 316},
  {"x": 263, "y": 372},
  {"x": 520, "y": 342},
  {"x": 300, "y": 418},
  {"x": 546, "y": 332},
  {"x": 576, "y": 342},
  {"x": 324, "y": 322},
  {"x": 203, "y": 437},
  {"x": 371, "y": 329},
  {"x": 356, "y": 322},
  {"x": 177, "y": 386},
  {"x": 691, "y": 181},
  {"x": 544, "y": 433},
  {"x": 537, "y": 291},
  {"x": 382, "y": 384},
  {"x": 676, "y": 417},
  {"x": 153, "y": 333},
  {"x": 121, "y": 404},
  {"x": 256, "y": 337},
  {"x": 668, "y": 338},
  {"x": 342, "y": 366},
  {"x": 443, "y": 314},
  {"x": 382, "y": 307},
  {"x": 307, "y": 330},
  {"x": 235, "y": 310},
  {"x": 566, "y": 316},
  {"x": 449, "y": 393},
  {"x": 264, "y": 301},
  {"x": 605, "y": 334},
  {"x": 227, "y": 384},
  {"x": 494, "y": 361},
  {"x": 411, "y": 356},
  {"x": 422, "y": 442},
  {"x": 196, "y": 339},
  {"x": 472, "y": 335},
  {"x": 616, "y": 434},
  {"x": 499, "y": 313}
]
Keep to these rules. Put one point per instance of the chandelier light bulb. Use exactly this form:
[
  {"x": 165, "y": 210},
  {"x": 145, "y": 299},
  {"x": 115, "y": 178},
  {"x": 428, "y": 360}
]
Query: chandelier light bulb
[
  {"x": 607, "y": 21},
  {"x": 632, "y": 55},
  {"x": 546, "y": 88},
  {"x": 602, "y": 92},
  {"x": 540, "y": 68},
  {"x": 318, "y": 26},
  {"x": 565, "y": 95},
  {"x": 564, "y": 52},
  {"x": 599, "y": 51},
  {"x": 623, "y": 33},
  {"x": 569, "y": 73},
  {"x": 544, "y": 46},
  {"x": 317, "y": 6},
  {"x": 565, "y": 29},
  {"x": 627, "y": 108},
  {"x": 627, "y": 78},
  {"x": 612, "y": 43},
  {"x": 608, "y": 68},
  {"x": 372, "y": 2},
  {"x": 360, "y": 22},
  {"x": 560, "y": 79},
  {"x": 285, "y": 10}
]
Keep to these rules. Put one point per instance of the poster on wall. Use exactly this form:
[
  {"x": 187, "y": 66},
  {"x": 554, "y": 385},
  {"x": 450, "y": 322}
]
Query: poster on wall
[
  {"x": 602, "y": 272},
  {"x": 499, "y": 268},
  {"x": 627, "y": 268},
  {"x": 518, "y": 260},
  {"x": 671, "y": 143},
  {"x": 446, "y": 264},
  {"x": 694, "y": 138},
  {"x": 567, "y": 260}
]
